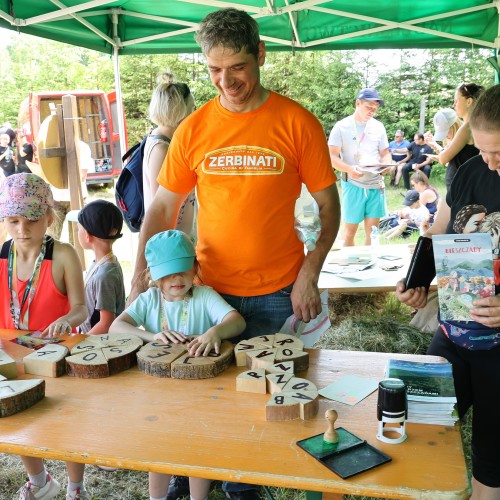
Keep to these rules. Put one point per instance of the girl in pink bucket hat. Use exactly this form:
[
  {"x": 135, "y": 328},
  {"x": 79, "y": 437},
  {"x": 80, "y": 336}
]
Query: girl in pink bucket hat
[{"x": 42, "y": 289}]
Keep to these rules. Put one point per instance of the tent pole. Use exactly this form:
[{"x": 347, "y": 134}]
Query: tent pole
[{"x": 118, "y": 85}]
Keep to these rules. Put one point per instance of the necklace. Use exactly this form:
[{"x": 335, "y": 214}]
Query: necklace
[
  {"x": 357, "y": 155},
  {"x": 96, "y": 265},
  {"x": 184, "y": 316},
  {"x": 21, "y": 321}
]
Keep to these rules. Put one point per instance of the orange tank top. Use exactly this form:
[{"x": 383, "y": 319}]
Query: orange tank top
[{"x": 47, "y": 305}]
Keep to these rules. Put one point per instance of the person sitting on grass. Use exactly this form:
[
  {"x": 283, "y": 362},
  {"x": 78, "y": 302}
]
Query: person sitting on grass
[
  {"x": 42, "y": 289},
  {"x": 428, "y": 196},
  {"x": 411, "y": 217},
  {"x": 173, "y": 308}
]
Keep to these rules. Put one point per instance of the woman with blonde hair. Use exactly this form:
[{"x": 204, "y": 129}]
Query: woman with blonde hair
[
  {"x": 459, "y": 146},
  {"x": 170, "y": 103}
]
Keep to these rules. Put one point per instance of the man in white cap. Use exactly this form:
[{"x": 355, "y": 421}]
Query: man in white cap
[{"x": 360, "y": 139}]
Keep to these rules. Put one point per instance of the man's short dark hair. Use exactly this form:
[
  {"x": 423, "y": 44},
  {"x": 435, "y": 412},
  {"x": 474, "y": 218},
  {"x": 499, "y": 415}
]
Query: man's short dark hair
[
  {"x": 230, "y": 28},
  {"x": 420, "y": 136},
  {"x": 486, "y": 113}
]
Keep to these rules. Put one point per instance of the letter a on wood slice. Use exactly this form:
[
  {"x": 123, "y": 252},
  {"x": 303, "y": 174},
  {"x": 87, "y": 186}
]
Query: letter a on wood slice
[
  {"x": 261, "y": 359},
  {"x": 47, "y": 361},
  {"x": 18, "y": 395},
  {"x": 7, "y": 365},
  {"x": 252, "y": 381}
]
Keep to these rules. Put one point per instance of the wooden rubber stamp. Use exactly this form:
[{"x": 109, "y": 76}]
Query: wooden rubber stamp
[{"x": 331, "y": 436}]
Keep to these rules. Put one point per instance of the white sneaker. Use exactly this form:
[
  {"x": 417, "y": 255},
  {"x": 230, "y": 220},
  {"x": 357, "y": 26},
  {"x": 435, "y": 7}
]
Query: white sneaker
[
  {"x": 79, "y": 494},
  {"x": 49, "y": 491}
]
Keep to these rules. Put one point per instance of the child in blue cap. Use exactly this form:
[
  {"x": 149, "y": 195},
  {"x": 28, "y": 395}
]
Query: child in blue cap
[{"x": 173, "y": 308}]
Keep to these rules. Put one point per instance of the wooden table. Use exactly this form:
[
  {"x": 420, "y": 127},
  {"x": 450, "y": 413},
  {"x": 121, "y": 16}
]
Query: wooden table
[
  {"x": 385, "y": 281},
  {"x": 204, "y": 428}
]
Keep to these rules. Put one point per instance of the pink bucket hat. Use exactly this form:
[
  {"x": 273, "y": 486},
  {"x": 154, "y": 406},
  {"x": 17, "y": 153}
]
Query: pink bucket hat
[{"x": 24, "y": 195}]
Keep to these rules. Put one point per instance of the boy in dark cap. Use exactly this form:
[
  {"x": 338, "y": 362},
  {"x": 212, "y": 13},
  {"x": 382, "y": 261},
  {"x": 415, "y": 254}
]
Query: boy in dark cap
[
  {"x": 414, "y": 216},
  {"x": 99, "y": 226}
]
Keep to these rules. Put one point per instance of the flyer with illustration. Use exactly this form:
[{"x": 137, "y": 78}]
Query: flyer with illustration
[{"x": 464, "y": 269}]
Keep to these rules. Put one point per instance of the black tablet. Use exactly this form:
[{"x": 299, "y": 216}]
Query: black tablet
[{"x": 422, "y": 268}]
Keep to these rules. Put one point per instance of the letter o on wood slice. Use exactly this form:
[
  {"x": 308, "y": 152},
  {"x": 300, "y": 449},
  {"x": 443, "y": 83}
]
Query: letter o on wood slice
[
  {"x": 18, "y": 395},
  {"x": 100, "y": 356}
]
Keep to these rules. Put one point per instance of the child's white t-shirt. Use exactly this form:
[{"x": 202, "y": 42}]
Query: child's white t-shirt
[{"x": 205, "y": 308}]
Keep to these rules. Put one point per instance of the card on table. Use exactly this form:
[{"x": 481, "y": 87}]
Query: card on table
[
  {"x": 350, "y": 389},
  {"x": 34, "y": 341}
]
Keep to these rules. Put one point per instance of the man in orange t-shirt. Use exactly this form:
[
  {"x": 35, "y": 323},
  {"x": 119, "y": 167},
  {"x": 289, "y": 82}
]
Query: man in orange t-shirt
[{"x": 247, "y": 152}]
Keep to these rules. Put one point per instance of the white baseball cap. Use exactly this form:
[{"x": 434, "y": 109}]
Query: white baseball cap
[{"x": 443, "y": 120}]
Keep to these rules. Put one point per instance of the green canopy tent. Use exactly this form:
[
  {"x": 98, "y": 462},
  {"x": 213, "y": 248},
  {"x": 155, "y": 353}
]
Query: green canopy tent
[{"x": 166, "y": 26}]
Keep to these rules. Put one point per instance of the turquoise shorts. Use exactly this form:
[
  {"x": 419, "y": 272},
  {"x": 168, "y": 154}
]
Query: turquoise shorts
[{"x": 360, "y": 203}]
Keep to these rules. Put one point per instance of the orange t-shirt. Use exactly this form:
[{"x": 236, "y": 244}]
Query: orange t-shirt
[{"x": 248, "y": 169}]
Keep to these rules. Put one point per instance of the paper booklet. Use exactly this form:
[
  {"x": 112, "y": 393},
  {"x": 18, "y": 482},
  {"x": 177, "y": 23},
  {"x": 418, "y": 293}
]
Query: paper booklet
[
  {"x": 464, "y": 270},
  {"x": 427, "y": 382},
  {"x": 375, "y": 168}
]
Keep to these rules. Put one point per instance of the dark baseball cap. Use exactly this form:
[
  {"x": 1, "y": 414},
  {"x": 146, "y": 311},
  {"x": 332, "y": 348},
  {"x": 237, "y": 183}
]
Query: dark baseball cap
[
  {"x": 370, "y": 95},
  {"x": 100, "y": 218},
  {"x": 411, "y": 197}
]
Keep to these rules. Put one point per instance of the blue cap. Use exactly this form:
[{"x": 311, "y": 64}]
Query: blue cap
[
  {"x": 411, "y": 197},
  {"x": 370, "y": 95},
  {"x": 169, "y": 252}
]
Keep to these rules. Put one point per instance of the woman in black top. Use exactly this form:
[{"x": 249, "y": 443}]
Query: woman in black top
[{"x": 461, "y": 147}]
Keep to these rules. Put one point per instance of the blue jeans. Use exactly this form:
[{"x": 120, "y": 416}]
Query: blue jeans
[{"x": 264, "y": 315}]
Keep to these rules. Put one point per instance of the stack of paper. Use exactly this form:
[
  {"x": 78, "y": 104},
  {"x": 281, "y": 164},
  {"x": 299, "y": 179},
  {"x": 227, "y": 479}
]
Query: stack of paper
[{"x": 430, "y": 391}]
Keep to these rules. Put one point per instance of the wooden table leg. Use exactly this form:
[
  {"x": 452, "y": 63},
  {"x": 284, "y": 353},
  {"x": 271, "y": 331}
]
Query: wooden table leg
[{"x": 315, "y": 495}]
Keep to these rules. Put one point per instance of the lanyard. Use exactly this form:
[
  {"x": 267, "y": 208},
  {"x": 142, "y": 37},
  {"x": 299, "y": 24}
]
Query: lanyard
[
  {"x": 107, "y": 258},
  {"x": 20, "y": 321},
  {"x": 184, "y": 315},
  {"x": 358, "y": 140}
]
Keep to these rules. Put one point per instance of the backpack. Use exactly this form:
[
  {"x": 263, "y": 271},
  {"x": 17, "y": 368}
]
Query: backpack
[{"x": 129, "y": 188}]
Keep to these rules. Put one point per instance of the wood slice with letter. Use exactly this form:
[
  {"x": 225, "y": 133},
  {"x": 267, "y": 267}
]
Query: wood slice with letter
[
  {"x": 299, "y": 390},
  {"x": 172, "y": 360},
  {"x": 100, "y": 356},
  {"x": 267, "y": 350},
  {"x": 18, "y": 395},
  {"x": 7, "y": 365},
  {"x": 281, "y": 407},
  {"x": 47, "y": 361},
  {"x": 188, "y": 367},
  {"x": 252, "y": 381},
  {"x": 155, "y": 358}
]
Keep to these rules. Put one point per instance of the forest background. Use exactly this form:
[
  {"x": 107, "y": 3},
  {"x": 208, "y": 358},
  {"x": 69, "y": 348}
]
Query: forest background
[{"x": 326, "y": 83}]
